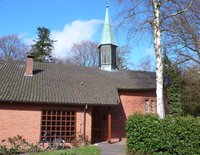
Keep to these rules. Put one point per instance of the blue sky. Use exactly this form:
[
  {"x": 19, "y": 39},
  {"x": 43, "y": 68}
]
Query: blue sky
[{"x": 69, "y": 21}]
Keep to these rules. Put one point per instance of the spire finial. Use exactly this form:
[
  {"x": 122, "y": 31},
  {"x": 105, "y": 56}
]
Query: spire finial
[{"x": 106, "y": 3}]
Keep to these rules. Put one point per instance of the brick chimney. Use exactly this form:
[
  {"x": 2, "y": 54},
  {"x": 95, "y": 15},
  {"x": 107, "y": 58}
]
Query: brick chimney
[{"x": 29, "y": 65}]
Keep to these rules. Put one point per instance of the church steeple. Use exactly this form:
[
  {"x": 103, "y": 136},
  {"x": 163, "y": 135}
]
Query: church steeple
[
  {"x": 108, "y": 45},
  {"x": 107, "y": 36}
]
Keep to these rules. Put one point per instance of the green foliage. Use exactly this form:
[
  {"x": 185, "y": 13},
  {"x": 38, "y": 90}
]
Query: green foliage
[
  {"x": 86, "y": 150},
  {"x": 43, "y": 46},
  {"x": 141, "y": 132},
  {"x": 191, "y": 91},
  {"x": 147, "y": 134},
  {"x": 173, "y": 78},
  {"x": 15, "y": 145}
]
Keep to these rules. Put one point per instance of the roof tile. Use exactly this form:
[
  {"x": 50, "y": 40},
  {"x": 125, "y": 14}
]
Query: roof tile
[{"x": 68, "y": 84}]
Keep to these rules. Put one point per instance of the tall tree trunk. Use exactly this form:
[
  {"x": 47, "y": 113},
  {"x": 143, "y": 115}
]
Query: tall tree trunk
[{"x": 159, "y": 64}]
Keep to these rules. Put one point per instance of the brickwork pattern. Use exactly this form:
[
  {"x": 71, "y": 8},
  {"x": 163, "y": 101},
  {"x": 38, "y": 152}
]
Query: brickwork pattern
[
  {"x": 130, "y": 102},
  {"x": 25, "y": 120}
]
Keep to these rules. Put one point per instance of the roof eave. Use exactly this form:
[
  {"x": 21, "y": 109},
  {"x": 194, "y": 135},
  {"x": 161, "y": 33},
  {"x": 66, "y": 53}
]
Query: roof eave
[
  {"x": 57, "y": 103},
  {"x": 135, "y": 89}
]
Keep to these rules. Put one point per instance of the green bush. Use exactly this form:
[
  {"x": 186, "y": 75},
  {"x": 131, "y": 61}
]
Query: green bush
[
  {"x": 172, "y": 135},
  {"x": 85, "y": 150}
]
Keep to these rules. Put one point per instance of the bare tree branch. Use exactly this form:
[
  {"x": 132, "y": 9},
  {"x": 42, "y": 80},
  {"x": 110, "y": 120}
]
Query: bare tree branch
[
  {"x": 136, "y": 18},
  {"x": 84, "y": 54},
  {"x": 182, "y": 35},
  {"x": 11, "y": 48},
  {"x": 188, "y": 57},
  {"x": 178, "y": 12}
]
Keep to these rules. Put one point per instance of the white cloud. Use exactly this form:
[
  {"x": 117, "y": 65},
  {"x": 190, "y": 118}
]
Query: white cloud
[
  {"x": 74, "y": 32},
  {"x": 22, "y": 35},
  {"x": 27, "y": 40}
]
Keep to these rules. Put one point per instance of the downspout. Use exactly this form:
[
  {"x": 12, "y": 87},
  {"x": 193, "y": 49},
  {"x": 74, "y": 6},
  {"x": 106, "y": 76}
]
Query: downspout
[{"x": 84, "y": 123}]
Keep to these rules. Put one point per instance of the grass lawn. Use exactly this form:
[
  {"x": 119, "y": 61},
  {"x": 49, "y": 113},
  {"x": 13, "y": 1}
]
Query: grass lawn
[{"x": 87, "y": 150}]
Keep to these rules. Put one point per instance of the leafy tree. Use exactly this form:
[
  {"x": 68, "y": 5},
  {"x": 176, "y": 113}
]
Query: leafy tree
[
  {"x": 43, "y": 46},
  {"x": 12, "y": 48},
  {"x": 152, "y": 15},
  {"x": 172, "y": 77}
]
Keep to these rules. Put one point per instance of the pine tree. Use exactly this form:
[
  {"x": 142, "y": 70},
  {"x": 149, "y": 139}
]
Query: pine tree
[
  {"x": 172, "y": 76},
  {"x": 43, "y": 46}
]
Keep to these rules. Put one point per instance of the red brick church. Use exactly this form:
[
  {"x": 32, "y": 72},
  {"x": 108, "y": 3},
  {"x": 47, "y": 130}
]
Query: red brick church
[{"x": 67, "y": 101}]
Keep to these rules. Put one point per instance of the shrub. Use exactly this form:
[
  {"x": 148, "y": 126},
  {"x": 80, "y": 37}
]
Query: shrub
[
  {"x": 79, "y": 141},
  {"x": 15, "y": 145},
  {"x": 172, "y": 135}
]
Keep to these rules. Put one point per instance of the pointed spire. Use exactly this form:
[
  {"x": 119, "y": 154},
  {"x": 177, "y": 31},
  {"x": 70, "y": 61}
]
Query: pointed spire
[{"x": 107, "y": 36}]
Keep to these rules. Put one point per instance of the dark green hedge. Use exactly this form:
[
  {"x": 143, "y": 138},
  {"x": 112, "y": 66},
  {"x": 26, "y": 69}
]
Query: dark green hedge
[{"x": 172, "y": 135}]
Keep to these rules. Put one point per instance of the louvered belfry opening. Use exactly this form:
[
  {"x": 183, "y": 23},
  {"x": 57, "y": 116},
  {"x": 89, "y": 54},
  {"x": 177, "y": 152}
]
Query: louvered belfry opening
[{"x": 58, "y": 124}]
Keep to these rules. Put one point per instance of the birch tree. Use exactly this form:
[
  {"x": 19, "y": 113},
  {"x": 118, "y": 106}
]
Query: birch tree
[{"x": 144, "y": 15}]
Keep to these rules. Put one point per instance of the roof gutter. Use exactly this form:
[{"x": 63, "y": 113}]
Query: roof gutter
[
  {"x": 137, "y": 89},
  {"x": 56, "y": 103}
]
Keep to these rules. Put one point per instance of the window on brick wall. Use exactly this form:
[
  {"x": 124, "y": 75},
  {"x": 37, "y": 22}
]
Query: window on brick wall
[
  {"x": 58, "y": 124},
  {"x": 147, "y": 106}
]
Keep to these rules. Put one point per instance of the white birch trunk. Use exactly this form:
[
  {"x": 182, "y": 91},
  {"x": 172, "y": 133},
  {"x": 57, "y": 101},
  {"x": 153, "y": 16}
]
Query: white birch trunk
[{"x": 159, "y": 64}]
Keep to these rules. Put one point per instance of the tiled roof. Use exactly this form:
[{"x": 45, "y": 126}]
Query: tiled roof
[{"x": 68, "y": 84}]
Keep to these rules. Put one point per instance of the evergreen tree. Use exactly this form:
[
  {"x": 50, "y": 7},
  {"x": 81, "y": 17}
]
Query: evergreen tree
[
  {"x": 191, "y": 91},
  {"x": 172, "y": 76},
  {"x": 43, "y": 46}
]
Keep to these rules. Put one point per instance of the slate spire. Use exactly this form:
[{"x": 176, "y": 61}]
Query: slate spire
[{"x": 107, "y": 46}]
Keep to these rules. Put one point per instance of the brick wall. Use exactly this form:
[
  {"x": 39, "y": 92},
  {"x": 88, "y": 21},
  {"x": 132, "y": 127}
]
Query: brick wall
[
  {"x": 80, "y": 119},
  {"x": 130, "y": 102},
  {"x": 25, "y": 120},
  {"x": 134, "y": 101}
]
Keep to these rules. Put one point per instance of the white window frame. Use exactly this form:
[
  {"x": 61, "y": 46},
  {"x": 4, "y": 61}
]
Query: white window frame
[
  {"x": 152, "y": 106},
  {"x": 147, "y": 106}
]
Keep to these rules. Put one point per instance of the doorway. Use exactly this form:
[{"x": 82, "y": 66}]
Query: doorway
[{"x": 99, "y": 124}]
